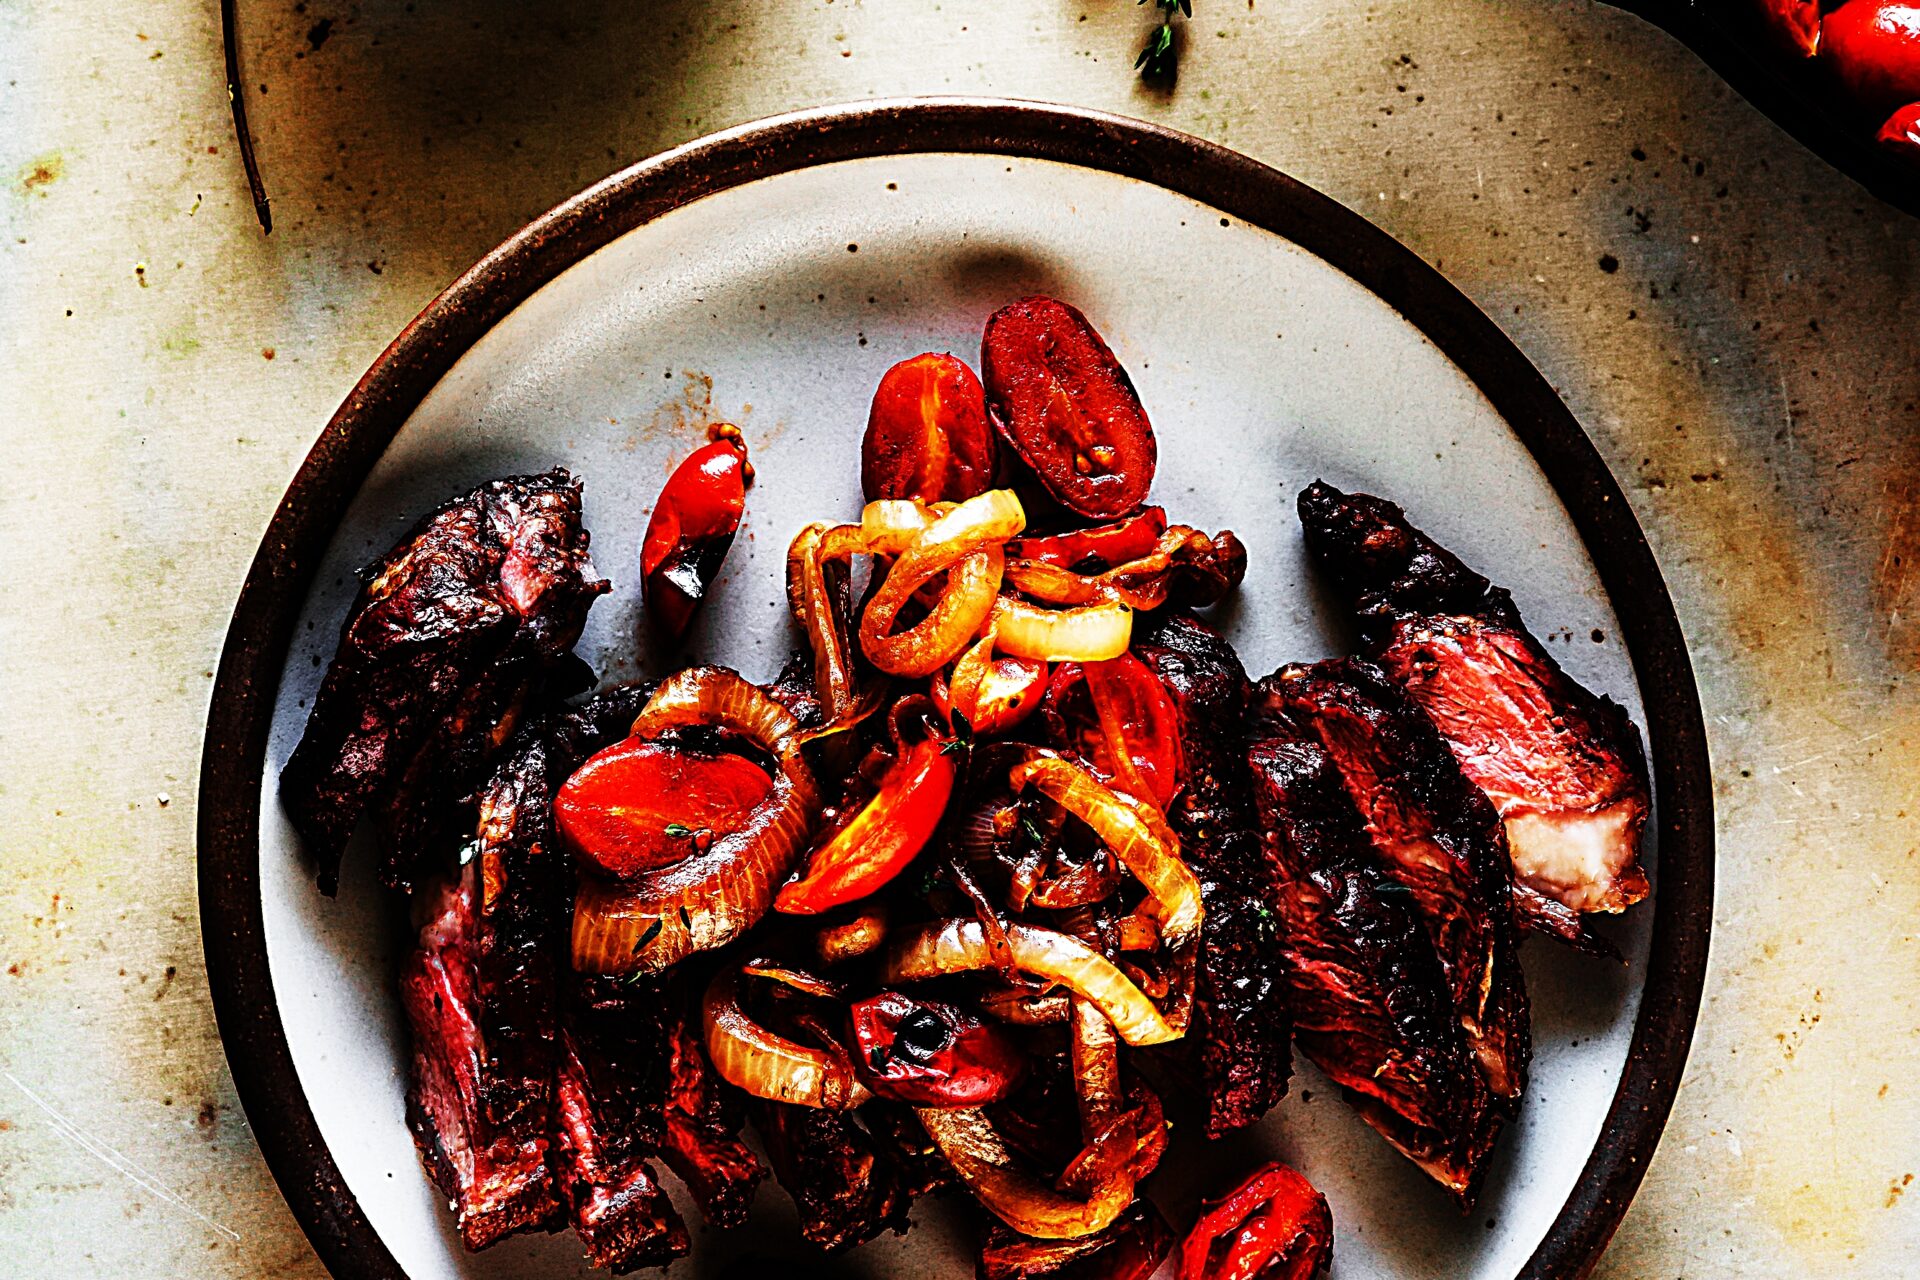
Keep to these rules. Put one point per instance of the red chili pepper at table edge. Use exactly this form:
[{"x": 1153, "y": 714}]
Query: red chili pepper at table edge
[
  {"x": 1274, "y": 1226},
  {"x": 617, "y": 809},
  {"x": 878, "y": 843},
  {"x": 1134, "y": 739},
  {"x": 927, "y": 433},
  {"x": 701, "y": 503},
  {"x": 1113, "y": 543}
]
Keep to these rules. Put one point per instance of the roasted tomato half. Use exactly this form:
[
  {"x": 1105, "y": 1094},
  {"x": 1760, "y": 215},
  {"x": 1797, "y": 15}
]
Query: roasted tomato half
[
  {"x": 1274, "y": 1226},
  {"x": 1116, "y": 716},
  {"x": 930, "y": 1053},
  {"x": 639, "y": 805},
  {"x": 1067, "y": 407},
  {"x": 927, "y": 434},
  {"x": 1901, "y": 132}
]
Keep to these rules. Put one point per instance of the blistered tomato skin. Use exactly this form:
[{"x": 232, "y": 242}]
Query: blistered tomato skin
[
  {"x": 692, "y": 528},
  {"x": 1874, "y": 47},
  {"x": 927, "y": 433},
  {"x": 1067, "y": 407},
  {"x": 930, "y": 1053},
  {"x": 1794, "y": 23}
]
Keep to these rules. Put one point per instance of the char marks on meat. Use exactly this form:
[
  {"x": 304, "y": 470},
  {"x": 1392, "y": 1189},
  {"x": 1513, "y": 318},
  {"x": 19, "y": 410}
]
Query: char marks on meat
[
  {"x": 497, "y": 1184},
  {"x": 1131, "y": 1247},
  {"x": 1436, "y": 834},
  {"x": 1371, "y": 1005},
  {"x": 1240, "y": 999},
  {"x": 1562, "y": 765},
  {"x": 703, "y": 1146},
  {"x": 526, "y": 900},
  {"x": 611, "y": 1093},
  {"x": 844, "y": 1188},
  {"x": 452, "y": 632}
]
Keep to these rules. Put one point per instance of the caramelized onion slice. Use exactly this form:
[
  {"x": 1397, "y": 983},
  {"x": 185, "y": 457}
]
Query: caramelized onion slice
[
  {"x": 1101, "y": 1180},
  {"x": 1139, "y": 837},
  {"x": 956, "y": 946},
  {"x": 766, "y": 1065},
  {"x": 965, "y": 544},
  {"x": 655, "y": 919},
  {"x": 1090, "y": 633},
  {"x": 812, "y": 600}
]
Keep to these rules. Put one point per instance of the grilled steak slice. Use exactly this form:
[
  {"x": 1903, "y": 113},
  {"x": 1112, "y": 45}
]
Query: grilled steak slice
[
  {"x": 526, "y": 902},
  {"x": 1562, "y": 765},
  {"x": 1240, "y": 997},
  {"x": 611, "y": 1094},
  {"x": 497, "y": 1184},
  {"x": 702, "y": 1139},
  {"x": 451, "y": 632},
  {"x": 1371, "y": 1005},
  {"x": 1437, "y": 835},
  {"x": 844, "y": 1189},
  {"x": 1129, "y": 1248}
]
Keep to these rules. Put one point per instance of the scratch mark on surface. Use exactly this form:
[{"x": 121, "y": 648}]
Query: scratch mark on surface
[
  {"x": 1821, "y": 755},
  {"x": 113, "y": 1159}
]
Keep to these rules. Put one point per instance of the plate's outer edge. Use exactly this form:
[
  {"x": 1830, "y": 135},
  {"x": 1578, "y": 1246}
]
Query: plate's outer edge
[{"x": 260, "y": 635}]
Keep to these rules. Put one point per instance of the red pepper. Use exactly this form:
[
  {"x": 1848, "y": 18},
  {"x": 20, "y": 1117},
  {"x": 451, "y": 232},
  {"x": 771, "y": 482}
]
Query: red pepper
[
  {"x": 930, "y": 1053},
  {"x": 693, "y": 526},
  {"x": 1114, "y": 543},
  {"x": 1274, "y": 1227},
  {"x": 861, "y": 855},
  {"x": 640, "y": 805},
  {"x": 1117, "y": 716}
]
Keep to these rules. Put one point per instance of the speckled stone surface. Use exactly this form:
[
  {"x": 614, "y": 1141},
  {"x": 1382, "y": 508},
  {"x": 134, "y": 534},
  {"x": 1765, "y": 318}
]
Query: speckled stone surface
[{"x": 1731, "y": 320}]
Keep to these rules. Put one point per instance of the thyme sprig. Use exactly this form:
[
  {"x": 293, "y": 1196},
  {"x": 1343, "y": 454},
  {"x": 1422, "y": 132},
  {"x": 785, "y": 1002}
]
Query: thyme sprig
[{"x": 1159, "y": 60}]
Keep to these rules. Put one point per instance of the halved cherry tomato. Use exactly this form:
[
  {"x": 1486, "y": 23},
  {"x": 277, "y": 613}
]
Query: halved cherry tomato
[
  {"x": 881, "y": 838},
  {"x": 927, "y": 434},
  {"x": 991, "y": 693},
  {"x": 1096, "y": 549},
  {"x": 1275, "y": 1226},
  {"x": 1901, "y": 132},
  {"x": 640, "y": 804},
  {"x": 931, "y": 1053},
  {"x": 693, "y": 526},
  {"x": 1117, "y": 716},
  {"x": 1067, "y": 407},
  {"x": 1874, "y": 47}
]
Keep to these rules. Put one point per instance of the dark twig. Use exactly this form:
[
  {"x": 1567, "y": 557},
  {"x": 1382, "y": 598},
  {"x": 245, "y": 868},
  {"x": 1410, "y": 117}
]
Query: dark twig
[{"x": 237, "y": 100}]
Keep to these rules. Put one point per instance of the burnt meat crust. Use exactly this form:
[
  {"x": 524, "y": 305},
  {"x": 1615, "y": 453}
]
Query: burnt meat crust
[
  {"x": 1547, "y": 750},
  {"x": 1436, "y": 834},
  {"x": 1371, "y": 1005},
  {"x": 451, "y": 633},
  {"x": 843, "y": 1186},
  {"x": 1240, "y": 999}
]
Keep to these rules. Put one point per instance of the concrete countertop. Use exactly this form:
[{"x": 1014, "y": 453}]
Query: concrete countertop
[{"x": 1732, "y": 321}]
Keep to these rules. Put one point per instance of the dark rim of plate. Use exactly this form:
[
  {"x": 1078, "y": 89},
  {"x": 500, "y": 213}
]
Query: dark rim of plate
[{"x": 278, "y": 582}]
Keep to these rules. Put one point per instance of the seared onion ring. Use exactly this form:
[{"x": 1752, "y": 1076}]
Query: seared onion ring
[
  {"x": 1139, "y": 837},
  {"x": 955, "y": 946},
  {"x": 1101, "y": 1178},
  {"x": 965, "y": 544},
  {"x": 1090, "y": 633},
  {"x": 766, "y": 1065},
  {"x": 713, "y": 896}
]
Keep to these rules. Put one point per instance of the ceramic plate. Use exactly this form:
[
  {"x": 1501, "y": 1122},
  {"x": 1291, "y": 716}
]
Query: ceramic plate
[{"x": 768, "y": 276}]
